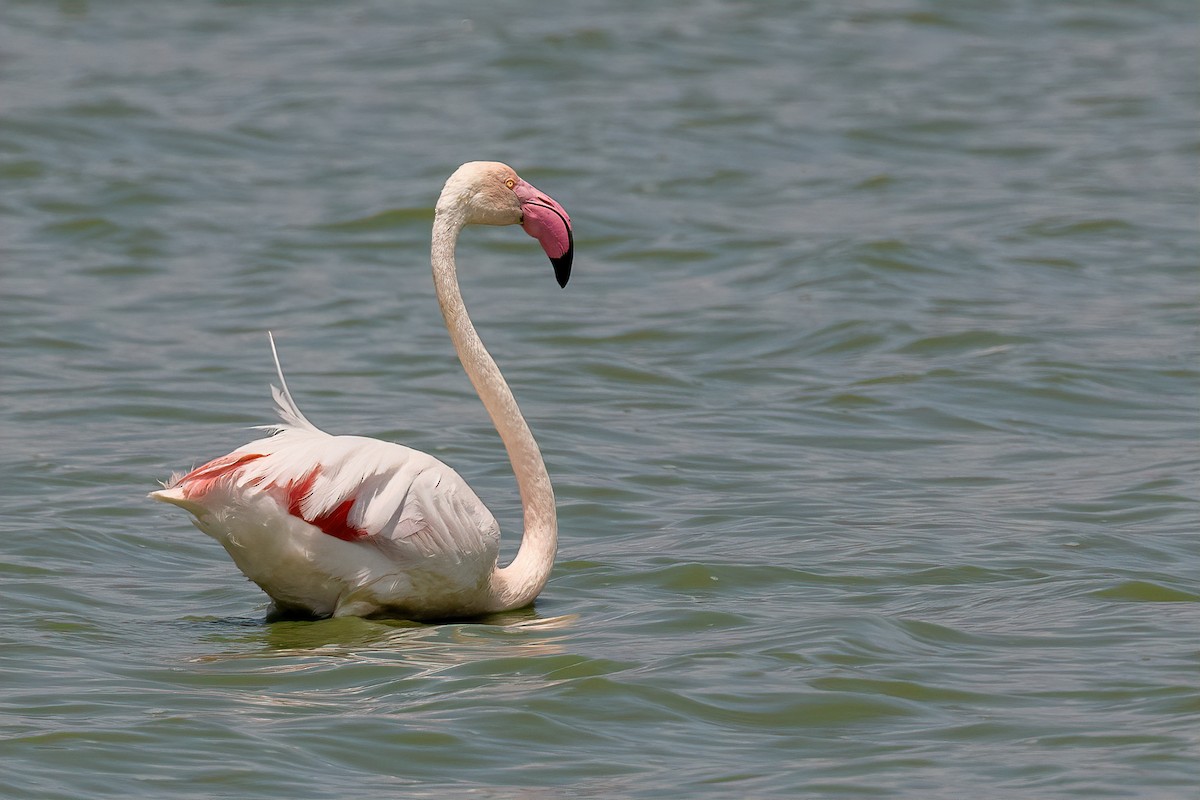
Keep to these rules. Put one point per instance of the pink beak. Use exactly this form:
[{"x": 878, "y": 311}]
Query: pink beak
[{"x": 547, "y": 221}]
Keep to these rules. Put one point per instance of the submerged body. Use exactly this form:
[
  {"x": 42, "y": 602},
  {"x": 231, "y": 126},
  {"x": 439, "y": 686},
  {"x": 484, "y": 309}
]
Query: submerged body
[{"x": 347, "y": 525}]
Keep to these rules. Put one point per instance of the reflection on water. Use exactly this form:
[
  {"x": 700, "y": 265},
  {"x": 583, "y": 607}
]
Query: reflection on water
[{"x": 512, "y": 634}]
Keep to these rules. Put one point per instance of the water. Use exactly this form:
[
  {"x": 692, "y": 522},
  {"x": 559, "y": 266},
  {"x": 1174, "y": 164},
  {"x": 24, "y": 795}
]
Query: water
[{"x": 871, "y": 406}]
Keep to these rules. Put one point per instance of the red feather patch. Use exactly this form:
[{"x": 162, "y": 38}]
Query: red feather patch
[
  {"x": 197, "y": 482},
  {"x": 335, "y": 522}
]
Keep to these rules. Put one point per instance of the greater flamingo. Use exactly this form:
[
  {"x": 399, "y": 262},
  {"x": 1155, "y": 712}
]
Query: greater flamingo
[{"x": 350, "y": 526}]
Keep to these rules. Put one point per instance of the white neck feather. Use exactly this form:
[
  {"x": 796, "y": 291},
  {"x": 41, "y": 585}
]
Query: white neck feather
[{"x": 520, "y": 582}]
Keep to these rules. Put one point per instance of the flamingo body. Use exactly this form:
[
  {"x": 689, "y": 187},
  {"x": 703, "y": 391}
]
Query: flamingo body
[
  {"x": 347, "y": 525},
  {"x": 337, "y": 525}
]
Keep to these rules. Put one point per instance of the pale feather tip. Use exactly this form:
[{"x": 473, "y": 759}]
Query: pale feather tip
[
  {"x": 173, "y": 481},
  {"x": 289, "y": 413}
]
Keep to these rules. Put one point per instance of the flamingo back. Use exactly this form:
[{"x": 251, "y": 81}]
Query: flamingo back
[{"x": 344, "y": 524}]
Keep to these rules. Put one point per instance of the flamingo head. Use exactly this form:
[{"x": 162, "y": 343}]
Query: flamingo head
[{"x": 491, "y": 193}]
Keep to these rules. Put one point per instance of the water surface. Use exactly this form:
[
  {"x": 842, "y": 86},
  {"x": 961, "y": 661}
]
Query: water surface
[{"x": 871, "y": 406}]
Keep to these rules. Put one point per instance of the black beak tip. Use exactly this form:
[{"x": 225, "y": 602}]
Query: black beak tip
[
  {"x": 562, "y": 269},
  {"x": 562, "y": 265}
]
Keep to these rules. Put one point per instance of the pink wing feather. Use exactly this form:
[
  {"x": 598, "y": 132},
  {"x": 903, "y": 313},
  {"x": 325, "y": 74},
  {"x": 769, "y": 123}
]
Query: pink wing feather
[{"x": 351, "y": 488}]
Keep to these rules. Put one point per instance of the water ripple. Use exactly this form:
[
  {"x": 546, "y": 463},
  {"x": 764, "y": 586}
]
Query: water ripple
[{"x": 871, "y": 407}]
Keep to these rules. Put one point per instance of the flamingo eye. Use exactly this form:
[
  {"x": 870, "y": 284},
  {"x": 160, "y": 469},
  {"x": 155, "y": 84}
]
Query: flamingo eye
[{"x": 510, "y": 183}]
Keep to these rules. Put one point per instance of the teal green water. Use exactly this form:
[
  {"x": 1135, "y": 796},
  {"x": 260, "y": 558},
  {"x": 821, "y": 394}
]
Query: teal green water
[{"x": 872, "y": 407}]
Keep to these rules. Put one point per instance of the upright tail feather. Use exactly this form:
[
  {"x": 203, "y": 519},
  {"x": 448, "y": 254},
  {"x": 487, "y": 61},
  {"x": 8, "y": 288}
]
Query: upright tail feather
[{"x": 285, "y": 406}]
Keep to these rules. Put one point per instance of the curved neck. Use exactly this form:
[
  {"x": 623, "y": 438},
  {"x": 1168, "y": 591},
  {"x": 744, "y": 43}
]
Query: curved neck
[{"x": 517, "y": 584}]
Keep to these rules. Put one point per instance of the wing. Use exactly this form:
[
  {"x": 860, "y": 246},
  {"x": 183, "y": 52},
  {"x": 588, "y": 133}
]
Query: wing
[{"x": 352, "y": 488}]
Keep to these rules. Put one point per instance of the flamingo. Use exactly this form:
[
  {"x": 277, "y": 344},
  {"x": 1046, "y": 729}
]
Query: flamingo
[{"x": 352, "y": 526}]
